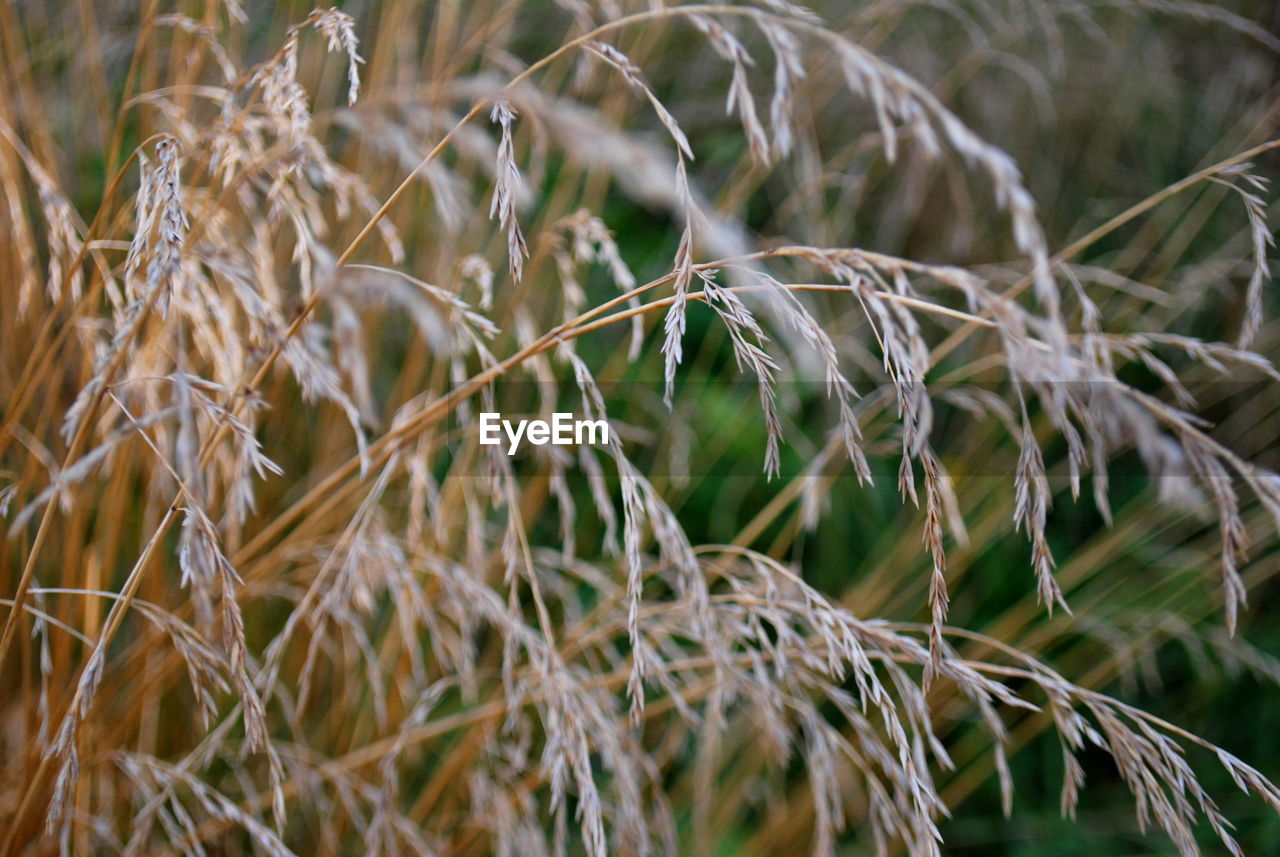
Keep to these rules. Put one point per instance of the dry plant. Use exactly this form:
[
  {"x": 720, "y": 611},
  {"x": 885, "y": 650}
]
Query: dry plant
[{"x": 265, "y": 592}]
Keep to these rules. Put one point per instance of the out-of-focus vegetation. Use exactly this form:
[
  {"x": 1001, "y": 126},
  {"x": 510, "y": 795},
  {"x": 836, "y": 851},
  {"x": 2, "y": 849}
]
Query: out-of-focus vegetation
[{"x": 265, "y": 593}]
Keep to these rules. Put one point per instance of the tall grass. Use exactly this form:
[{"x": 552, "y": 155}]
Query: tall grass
[{"x": 872, "y": 300}]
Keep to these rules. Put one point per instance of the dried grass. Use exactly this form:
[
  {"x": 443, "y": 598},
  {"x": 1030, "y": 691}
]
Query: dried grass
[{"x": 336, "y": 623}]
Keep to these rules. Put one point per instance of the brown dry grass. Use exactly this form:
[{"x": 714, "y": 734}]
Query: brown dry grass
[{"x": 267, "y": 593}]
